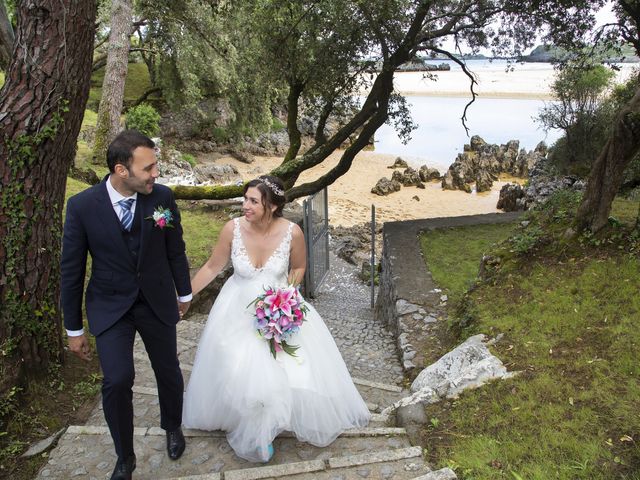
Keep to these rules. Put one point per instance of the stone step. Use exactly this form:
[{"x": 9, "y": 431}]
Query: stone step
[
  {"x": 148, "y": 431},
  {"x": 87, "y": 450},
  {"x": 378, "y": 385},
  {"x": 399, "y": 464},
  {"x": 146, "y": 409},
  {"x": 442, "y": 474}
]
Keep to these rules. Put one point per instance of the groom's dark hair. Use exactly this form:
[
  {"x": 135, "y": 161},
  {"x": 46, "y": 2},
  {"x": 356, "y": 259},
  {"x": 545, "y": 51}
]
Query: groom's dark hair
[{"x": 121, "y": 149}]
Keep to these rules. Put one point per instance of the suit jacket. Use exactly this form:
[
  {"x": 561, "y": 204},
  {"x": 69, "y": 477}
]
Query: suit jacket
[{"x": 92, "y": 226}]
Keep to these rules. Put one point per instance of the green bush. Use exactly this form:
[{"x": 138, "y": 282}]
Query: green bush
[
  {"x": 277, "y": 125},
  {"x": 220, "y": 135},
  {"x": 143, "y": 118},
  {"x": 190, "y": 159}
]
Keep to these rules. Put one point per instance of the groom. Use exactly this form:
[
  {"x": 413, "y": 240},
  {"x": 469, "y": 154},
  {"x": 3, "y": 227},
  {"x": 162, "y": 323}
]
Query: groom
[{"x": 137, "y": 265}]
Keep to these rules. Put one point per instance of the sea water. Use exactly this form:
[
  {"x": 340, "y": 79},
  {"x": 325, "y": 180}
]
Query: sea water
[{"x": 440, "y": 134}]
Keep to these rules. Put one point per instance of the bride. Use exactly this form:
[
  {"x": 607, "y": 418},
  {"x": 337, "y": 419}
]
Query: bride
[{"x": 236, "y": 385}]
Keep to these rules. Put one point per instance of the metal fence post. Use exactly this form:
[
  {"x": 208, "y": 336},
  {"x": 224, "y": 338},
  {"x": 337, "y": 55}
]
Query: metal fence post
[{"x": 373, "y": 254}]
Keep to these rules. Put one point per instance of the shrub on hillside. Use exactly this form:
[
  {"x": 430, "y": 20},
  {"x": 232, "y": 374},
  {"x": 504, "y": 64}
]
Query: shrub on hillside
[{"x": 143, "y": 118}]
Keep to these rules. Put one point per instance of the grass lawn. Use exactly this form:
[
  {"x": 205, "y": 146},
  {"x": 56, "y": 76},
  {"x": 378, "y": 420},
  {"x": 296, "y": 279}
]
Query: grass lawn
[
  {"x": 569, "y": 317},
  {"x": 453, "y": 254}
]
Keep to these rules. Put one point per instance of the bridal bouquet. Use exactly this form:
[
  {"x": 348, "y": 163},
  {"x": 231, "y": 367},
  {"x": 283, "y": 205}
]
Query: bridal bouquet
[{"x": 279, "y": 314}]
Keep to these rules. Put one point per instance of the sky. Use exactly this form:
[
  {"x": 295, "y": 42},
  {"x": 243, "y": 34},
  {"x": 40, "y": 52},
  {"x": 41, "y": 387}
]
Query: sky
[{"x": 603, "y": 16}]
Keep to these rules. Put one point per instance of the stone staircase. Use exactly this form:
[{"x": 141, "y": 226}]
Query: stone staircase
[{"x": 380, "y": 451}]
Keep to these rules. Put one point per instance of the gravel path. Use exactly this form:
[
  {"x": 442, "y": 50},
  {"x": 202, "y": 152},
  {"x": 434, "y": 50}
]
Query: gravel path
[{"x": 367, "y": 346}]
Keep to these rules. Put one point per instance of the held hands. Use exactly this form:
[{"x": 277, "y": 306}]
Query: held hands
[
  {"x": 80, "y": 346},
  {"x": 183, "y": 307}
]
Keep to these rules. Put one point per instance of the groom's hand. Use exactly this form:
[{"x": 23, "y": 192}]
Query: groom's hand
[
  {"x": 183, "y": 307},
  {"x": 80, "y": 346}
]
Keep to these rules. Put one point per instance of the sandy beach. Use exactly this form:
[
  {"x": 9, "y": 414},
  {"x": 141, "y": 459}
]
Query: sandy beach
[
  {"x": 350, "y": 197},
  {"x": 529, "y": 80}
]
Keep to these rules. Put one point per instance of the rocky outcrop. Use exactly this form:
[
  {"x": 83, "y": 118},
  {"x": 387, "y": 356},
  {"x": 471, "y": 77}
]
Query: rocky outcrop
[
  {"x": 200, "y": 121},
  {"x": 175, "y": 170},
  {"x": 428, "y": 174},
  {"x": 480, "y": 163},
  {"x": 409, "y": 178},
  {"x": 386, "y": 186},
  {"x": 399, "y": 163},
  {"x": 541, "y": 184},
  {"x": 217, "y": 174},
  {"x": 511, "y": 198}
]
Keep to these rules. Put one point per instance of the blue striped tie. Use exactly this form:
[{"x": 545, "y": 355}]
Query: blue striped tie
[{"x": 126, "y": 219}]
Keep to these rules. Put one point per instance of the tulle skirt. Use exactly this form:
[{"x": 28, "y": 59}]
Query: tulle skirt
[{"x": 237, "y": 386}]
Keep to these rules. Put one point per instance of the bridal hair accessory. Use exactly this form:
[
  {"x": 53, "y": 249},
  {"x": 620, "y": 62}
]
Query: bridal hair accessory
[
  {"x": 162, "y": 217},
  {"x": 274, "y": 188},
  {"x": 279, "y": 313}
]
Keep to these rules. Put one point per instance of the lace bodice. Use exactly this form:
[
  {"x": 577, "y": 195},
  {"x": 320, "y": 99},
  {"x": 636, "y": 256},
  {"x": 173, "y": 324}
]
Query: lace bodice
[{"x": 276, "y": 268}]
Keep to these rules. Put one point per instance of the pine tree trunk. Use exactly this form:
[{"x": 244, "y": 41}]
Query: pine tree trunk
[
  {"x": 606, "y": 173},
  {"x": 41, "y": 107},
  {"x": 115, "y": 75},
  {"x": 6, "y": 37}
]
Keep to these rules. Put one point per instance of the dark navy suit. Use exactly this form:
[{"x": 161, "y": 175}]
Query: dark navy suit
[{"x": 133, "y": 284}]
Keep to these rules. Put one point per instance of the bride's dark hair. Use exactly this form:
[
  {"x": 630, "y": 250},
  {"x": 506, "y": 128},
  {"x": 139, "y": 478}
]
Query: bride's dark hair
[{"x": 272, "y": 191}]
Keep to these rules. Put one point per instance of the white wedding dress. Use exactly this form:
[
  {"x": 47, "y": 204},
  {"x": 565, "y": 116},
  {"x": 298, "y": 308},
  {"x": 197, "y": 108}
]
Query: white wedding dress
[{"x": 237, "y": 386}]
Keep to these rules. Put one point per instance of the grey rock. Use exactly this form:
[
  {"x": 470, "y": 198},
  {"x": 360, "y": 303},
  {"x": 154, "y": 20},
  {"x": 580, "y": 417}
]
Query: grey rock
[
  {"x": 428, "y": 174},
  {"x": 469, "y": 365},
  {"x": 81, "y": 470},
  {"x": 509, "y": 196},
  {"x": 156, "y": 460},
  {"x": 387, "y": 471},
  {"x": 410, "y": 178},
  {"x": 403, "y": 307},
  {"x": 410, "y": 414},
  {"x": 408, "y": 365},
  {"x": 200, "y": 459},
  {"x": 442, "y": 474},
  {"x": 384, "y": 186},
  {"x": 364, "y": 472},
  {"x": 399, "y": 163},
  {"x": 42, "y": 445},
  {"x": 216, "y": 173}
]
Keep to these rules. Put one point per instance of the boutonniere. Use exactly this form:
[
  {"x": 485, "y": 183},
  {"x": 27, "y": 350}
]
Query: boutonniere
[{"x": 162, "y": 217}]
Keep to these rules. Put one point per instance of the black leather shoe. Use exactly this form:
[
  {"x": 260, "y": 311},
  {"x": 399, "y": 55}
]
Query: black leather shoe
[
  {"x": 124, "y": 468},
  {"x": 175, "y": 444}
]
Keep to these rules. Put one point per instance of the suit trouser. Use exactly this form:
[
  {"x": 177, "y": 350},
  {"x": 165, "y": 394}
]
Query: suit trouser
[{"x": 115, "y": 351}]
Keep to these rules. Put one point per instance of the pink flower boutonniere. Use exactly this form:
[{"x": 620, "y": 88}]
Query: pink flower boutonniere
[{"x": 162, "y": 217}]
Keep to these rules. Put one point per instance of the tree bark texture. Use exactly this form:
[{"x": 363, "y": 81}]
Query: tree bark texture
[
  {"x": 606, "y": 173},
  {"x": 6, "y": 37},
  {"x": 295, "y": 137},
  {"x": 41, "y": 107},
  {"x": 108, "y": 124}
]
